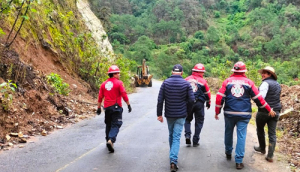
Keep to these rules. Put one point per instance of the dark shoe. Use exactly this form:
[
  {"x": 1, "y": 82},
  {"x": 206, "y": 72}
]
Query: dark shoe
[
  {"x": 187, "y": 141},
  {"x": 196, "y": 144},
  {"x": 228, "y": 156},
  {"x": 173, "y": 167},
  {"x": 110, "y": 146},
  {"x": 239, "y": 166},
  {"x": 258, "y": 149},
  {"x": 269, "y": 159}
]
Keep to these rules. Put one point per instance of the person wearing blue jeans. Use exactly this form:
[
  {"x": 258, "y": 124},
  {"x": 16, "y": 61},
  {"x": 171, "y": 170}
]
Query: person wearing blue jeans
[
  {"x": 241, "y": 130},
  {"x": 236, "y": 93},
  {"x": 175, "y": 126},
  {"x": 177, "y": 95}
]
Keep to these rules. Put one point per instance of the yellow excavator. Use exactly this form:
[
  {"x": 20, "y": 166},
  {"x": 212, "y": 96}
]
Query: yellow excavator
[{"x": 143, "y": 76}]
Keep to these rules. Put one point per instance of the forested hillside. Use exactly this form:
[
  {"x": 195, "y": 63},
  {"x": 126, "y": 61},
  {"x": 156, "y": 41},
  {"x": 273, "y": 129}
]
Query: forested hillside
[{"x": 214, "y": 32}]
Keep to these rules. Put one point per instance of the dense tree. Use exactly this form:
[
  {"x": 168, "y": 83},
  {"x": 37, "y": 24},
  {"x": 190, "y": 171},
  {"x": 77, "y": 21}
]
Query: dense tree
[{"x": 214, "y": 32}]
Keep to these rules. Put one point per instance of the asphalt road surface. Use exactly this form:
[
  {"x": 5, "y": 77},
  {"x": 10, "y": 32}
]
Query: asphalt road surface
[{"x": 142, "y": 145}]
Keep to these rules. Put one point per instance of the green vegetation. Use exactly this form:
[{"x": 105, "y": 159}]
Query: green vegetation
[
  {"x": 7, "y": 89},
  {"x": 57, "y": 82},
  {"x": 215, "y": 33}
]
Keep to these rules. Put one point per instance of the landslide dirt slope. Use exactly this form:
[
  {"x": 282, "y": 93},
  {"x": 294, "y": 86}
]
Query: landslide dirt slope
[{"x": 36, "y": 108}]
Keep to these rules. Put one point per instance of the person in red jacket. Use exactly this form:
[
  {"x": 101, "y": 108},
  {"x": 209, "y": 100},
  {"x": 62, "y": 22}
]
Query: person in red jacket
[
  {"x": 112, "y": 90},
  {"x": 202, "y": 95},
  {"x": 236, "y": 92}
]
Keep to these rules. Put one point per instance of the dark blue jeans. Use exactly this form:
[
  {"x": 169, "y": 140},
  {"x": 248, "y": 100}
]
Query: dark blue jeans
[
  {"x": 113, "y": 121},
  {"x": 198, "y": 112}
]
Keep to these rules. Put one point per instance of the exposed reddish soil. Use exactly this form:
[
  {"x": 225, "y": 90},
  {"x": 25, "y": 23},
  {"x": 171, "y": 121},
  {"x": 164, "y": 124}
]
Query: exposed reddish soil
[{"x": 36, "y": 108}]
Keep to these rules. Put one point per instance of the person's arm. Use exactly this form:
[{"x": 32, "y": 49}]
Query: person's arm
[
  {"x": 160, "y": 102},
  {"x": 220, "y": 100},
  {"x": 100, "y": 98},
  {"x": 207, "y": 96},
  {"x": 263, "y": 89},
  {"x": 124, "y": 96}
]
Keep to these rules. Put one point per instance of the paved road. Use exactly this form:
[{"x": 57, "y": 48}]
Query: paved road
[{"x": 142, "y": 145}]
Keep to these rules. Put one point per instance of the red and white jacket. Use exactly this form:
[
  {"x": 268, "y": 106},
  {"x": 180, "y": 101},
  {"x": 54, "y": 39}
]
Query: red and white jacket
[
  {"x": 199, "y": 86},
  {"x": 112, "y": 90},
  {"x": 237, "y": 92}
]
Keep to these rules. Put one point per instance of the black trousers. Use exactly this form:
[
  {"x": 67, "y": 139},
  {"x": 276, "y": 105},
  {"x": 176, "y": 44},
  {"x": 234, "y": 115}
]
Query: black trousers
[{"x": 263, "y": 118}]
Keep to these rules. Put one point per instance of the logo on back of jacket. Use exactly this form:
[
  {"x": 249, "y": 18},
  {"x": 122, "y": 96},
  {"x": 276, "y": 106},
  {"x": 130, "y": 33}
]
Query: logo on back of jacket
[
  {"x": 193, "y": 83},
  {"x": 237, "y": 90},
  {"x": 109, "y": 85}
]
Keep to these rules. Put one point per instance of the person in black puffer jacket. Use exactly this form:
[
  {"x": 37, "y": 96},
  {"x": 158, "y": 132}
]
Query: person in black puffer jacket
[
  {"x": 178, "y": 96},
  {"x": 270, "y": 90}
]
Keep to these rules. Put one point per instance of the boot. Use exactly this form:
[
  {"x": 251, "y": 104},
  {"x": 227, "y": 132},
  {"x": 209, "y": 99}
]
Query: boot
[
  {"x": 173, "y": 167},
  {"x": 110, "y": 146},
  {"x": 271, "y": 150},
  {"x": 259, "y": 149},
  {"x": 262, "y": 145}
]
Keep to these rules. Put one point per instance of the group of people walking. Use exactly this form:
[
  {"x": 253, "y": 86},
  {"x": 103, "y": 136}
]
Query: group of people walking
[{"x": 185, "y": 99}]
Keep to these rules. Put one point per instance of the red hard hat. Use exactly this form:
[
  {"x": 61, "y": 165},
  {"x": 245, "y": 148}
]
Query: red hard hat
[
  {"x": 199, "y": 68},
  {"x": 239, "y": 67},
  {"x": 113, "y": 69}
]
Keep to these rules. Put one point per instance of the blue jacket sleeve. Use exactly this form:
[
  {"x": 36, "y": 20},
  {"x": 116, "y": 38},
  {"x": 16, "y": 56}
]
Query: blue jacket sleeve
[{"x": 160, "y": 100}]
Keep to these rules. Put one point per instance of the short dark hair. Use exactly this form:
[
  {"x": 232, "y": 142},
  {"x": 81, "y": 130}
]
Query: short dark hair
[{"x": 110, "y": 75}]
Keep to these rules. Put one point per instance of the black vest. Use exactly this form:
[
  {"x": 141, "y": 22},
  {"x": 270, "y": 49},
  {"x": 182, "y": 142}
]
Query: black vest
[{"x": 273, "y": 94}]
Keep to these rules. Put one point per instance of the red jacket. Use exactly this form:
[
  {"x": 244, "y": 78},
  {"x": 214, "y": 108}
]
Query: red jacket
[
  {"x": 112, "y": 90},
  {"x": 237, "y": 92},
  {"x": 199, "y": 86}
]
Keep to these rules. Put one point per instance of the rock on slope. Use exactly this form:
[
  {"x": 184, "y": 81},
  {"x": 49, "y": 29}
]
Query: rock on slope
[{"x": 95, "y": 26}]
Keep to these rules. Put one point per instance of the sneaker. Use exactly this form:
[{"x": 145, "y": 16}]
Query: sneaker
[
  {"x": 196, "y": 144},
  {"x": 187, "y": 141},
  {"x": 110, "y": 146},
  {"x": 173, "y": 167},
  {"x": 228, "y": 156},
  {"x": 269, "y": 159},
  {"x": 239, "y": 166},
  {"x": 258, "y": 149}
]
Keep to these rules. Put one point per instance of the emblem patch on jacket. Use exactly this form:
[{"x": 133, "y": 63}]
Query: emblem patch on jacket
[
  {"x": 193, "y": 83},
  {"x": 237, "y": 90},
  {"x": 109, "y": 85}
]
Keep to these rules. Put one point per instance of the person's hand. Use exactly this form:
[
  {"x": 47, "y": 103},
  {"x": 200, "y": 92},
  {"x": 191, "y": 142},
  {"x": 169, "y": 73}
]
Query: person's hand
[
  {"x": 98, "y": 111},
  {"x": 160, "y": 118},
  {"x": 129, "y": 108},
  {"x": 272, "y": 113},
  {"x": 216, "y": 117},
  {"x": 208, "y": 105}
]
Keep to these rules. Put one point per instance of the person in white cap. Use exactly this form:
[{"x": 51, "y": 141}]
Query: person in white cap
[{"x": 270, "y": 90}]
